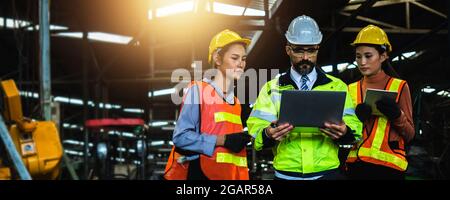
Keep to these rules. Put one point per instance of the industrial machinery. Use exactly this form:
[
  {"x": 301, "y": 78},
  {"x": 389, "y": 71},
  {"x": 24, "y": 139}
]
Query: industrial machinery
[
  {"x": 37, "y": 142},
  {"x": 120, "y": 148}
]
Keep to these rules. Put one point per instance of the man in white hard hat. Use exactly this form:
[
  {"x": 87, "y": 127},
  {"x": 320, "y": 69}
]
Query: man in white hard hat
[{"x": 300, "y": 155}]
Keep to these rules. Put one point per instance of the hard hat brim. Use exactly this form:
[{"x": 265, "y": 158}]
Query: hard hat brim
[{"x": 243, "y": 40}]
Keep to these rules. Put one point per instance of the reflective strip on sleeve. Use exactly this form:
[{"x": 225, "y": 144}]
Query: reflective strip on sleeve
[
  {"x": 349, "y": 111},
  {"x": 263, "y": 115}
]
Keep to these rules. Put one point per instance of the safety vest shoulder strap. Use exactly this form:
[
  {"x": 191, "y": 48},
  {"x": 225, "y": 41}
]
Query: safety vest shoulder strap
[
  {"x": 375, "y": 149},
  {"x": 395, "y": 85},
  {"x": 355, "y": 92}
]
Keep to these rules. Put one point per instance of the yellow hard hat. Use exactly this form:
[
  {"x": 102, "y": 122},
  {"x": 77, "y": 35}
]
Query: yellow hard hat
[
  {"x": 224, "y": 38},
  {"x": 372, "y": 34}
]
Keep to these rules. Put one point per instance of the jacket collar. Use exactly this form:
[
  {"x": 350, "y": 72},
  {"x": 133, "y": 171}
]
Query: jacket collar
[{"x": 322, "y": 79}]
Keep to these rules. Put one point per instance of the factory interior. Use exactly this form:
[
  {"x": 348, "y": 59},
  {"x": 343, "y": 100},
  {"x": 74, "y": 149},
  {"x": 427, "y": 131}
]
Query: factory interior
[{"x": 91, "y": 81}]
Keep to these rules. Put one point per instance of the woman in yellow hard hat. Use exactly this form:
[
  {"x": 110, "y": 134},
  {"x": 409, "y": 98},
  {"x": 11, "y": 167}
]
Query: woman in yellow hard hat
[
  {"x": 208, "y": 138},
  {"x": 381, "y": 153}
]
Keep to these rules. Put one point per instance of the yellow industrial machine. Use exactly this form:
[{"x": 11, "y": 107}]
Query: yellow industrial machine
[{"x": 37, "y": 142}]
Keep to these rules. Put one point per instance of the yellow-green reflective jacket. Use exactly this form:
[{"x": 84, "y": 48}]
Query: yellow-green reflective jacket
[{"x": 303, "y": 150}]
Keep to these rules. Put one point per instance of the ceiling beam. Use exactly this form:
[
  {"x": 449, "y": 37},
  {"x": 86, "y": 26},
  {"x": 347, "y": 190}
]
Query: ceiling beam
[
  {"x": 258, "y": 33},
  {"x": 429, "y": 9},
  {"x": 377, "y": 4},
  {"x": 363, "y": 8},
  {"x": 373, "y": 21}
]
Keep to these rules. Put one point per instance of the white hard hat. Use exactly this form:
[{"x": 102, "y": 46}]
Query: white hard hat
[{"x": 303, "y": 30}]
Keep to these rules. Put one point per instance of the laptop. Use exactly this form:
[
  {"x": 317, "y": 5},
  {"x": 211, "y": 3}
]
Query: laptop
[{"x": 311, "y": 108}]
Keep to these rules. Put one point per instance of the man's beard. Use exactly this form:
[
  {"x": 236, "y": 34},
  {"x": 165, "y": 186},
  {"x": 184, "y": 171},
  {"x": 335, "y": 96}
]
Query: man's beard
[{"x": 304, "y": 67}]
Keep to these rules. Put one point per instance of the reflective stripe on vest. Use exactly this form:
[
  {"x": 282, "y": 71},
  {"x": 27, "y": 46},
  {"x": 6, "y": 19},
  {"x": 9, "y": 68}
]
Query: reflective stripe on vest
[
  {"x": 371, "y": 149},
  {"x": 222, "y": 157},
  {"x": 227, "y": 117},
  {"x": 223, "y": 164},
  {"x": 384, "y": 156},
  {"x": 221, "y": 118}
]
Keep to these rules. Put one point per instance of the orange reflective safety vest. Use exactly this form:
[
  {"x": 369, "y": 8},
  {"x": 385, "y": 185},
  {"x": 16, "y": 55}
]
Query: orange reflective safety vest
[
  {"x": 374, "y": 148},
  {"x": 217, "y": 117}
]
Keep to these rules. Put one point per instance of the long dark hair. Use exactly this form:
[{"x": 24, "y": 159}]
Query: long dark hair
[{"x": 386, "y": 65}]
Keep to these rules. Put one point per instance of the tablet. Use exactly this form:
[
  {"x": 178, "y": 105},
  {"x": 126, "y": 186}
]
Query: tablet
[
  {"x": 311, "y": 108},
  {"x": 373, "y": 95}
]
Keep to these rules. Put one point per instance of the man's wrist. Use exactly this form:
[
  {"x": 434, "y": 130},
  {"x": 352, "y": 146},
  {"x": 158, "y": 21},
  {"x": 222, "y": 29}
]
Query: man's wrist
[{"x": 266, "y": 133}]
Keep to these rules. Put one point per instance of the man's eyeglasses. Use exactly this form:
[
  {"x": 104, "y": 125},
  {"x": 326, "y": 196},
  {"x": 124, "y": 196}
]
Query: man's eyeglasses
[{"x": 301, "y": 51}]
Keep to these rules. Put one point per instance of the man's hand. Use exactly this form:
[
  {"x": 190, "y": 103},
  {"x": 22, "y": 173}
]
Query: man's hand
[
  {"x": 278, "y": 133},
  {"x": 334, "y": 131}
]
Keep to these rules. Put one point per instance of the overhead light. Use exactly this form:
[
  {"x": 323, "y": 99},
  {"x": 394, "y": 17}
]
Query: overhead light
[
  {"x": 406, "y": 55},
  {"x": 133, "y": 110},
  {"x": 162, "y": 92},
  {"x": 175, "y": 9},
  {"x": 124, "y": 134},
  {"x": 127, "y": 134},
  {"x": 409, "y": 54},
  {"x": 327, "y": 68},
  {"x": 342, "y": 66},
  {"x": 98, "y": 36},
  {"x": 157, "y": 143},
  {"x": 444, "y": 93},
  {"x": 428, "y": 89},
  {"x": 59, "y": 28},
  {"x": 12, "y": 23},
  {"x": 108, "y": 37},
  {"x": 91, "y": 103},
  {"x": 227, "y": 9},
  {"x": 70, "y": 34},
  {"x": 254, "y": 12},
  {"x": 61, "y": 99},
  {"x": 76, "y": 142},
  {"x": 168, "y": 128},
  {"x": 353, "y": 65},
  {"x": 158, "y": 123},
  {"x": 71, "y": 152},
  {"x": 29, "y": 94},
  {"x": 76, "y": 101},
  {"x": 52, "y": 27},
  {"x": 119, "y": 159}
]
